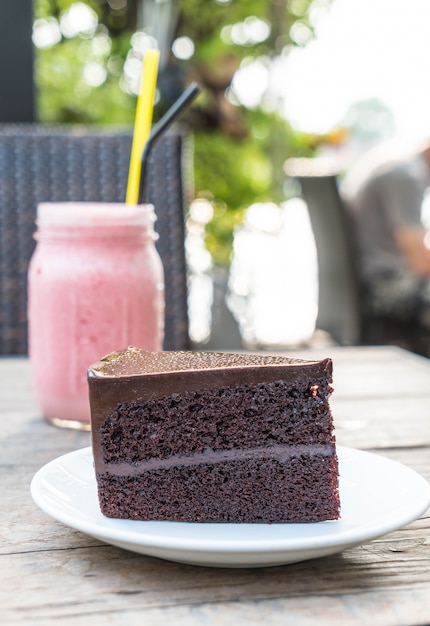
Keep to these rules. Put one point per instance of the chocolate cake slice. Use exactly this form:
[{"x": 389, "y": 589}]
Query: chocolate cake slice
[{"x": 213, "y": 437}]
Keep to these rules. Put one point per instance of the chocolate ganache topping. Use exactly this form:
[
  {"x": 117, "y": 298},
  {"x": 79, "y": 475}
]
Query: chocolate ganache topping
[
  {"x": 137, "y": 362},
  {"x": 140, "y": 375}
]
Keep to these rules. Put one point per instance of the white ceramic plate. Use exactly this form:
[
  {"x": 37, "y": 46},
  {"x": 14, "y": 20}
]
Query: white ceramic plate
[{"x": 377, "y": 496}]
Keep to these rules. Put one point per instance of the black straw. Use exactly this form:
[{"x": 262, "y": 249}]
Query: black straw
[{"x": 178, "y": 107}]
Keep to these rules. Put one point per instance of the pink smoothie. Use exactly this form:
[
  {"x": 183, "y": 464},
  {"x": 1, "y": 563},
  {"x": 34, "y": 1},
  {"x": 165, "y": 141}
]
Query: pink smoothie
[{"x": 95, "y": 285}]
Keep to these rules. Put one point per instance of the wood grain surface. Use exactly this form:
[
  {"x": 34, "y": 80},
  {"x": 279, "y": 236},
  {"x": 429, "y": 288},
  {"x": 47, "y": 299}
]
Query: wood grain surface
[{"x": 51, "y": 574}]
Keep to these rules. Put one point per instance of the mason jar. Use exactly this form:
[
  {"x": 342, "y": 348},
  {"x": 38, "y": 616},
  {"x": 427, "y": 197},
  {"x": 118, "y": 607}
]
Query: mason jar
[{"x": 95, "y": 285}]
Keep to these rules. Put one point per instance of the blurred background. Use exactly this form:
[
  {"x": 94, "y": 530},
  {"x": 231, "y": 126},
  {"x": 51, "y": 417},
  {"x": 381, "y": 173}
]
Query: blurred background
[{"x": 281, "y": 78}]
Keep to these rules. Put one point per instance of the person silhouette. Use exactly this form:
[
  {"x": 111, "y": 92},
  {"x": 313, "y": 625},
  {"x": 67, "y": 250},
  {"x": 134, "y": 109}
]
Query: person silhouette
[{"x": 386, "y": 197}]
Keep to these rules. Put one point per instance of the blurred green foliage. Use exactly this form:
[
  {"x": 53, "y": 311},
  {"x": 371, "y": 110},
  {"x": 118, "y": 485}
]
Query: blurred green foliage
[
  {"x": 239, "y": 151},
  {"x": 234, "y": 174}
]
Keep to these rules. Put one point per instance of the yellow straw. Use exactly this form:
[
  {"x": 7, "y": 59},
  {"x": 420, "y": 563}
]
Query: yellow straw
[{"x": 142, "y": 123}]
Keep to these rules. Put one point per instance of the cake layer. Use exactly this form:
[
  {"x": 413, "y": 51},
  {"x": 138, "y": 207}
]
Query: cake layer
[
  {"x": 298, "y": 489},
  {"x": 239, "y": 417},
  {"x": 136, "y": 376}
]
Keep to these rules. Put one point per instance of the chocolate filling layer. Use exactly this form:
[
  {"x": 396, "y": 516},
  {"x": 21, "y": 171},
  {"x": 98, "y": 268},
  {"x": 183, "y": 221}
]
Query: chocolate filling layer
[{"x": 278, "y": 452}]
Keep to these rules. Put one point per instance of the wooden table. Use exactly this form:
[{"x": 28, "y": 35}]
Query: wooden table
[{"x": 51, "y": 574}]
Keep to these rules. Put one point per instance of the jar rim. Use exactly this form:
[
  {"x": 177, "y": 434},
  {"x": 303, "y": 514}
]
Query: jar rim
[{"x": 94, "y": 214}]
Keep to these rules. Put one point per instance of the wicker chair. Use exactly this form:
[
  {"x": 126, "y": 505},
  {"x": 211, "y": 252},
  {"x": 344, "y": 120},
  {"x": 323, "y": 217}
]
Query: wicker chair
[{"x": 43, "y": 164}]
